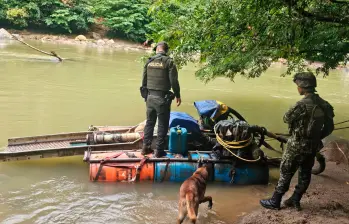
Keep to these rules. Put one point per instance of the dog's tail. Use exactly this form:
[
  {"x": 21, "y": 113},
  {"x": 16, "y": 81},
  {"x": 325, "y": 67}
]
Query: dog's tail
[{"x": 191, "y": 207}]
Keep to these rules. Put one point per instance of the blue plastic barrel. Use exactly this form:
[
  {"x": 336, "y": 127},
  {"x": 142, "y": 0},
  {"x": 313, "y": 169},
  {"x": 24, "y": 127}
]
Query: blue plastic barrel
[
  {"x": 177, "y": 142},
  {"x": 177, "y": 171},
  {"x": 247, "y": 173},
  {"x": 222, "y": 172}
]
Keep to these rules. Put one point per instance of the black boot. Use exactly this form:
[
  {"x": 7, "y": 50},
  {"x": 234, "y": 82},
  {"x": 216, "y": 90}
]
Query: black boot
[
  {"x": 146, "y": 149},
  {"x": 294, "y": 201},
  {"x": 160, "y": 153},
  {"x": 273, "y": 202}
]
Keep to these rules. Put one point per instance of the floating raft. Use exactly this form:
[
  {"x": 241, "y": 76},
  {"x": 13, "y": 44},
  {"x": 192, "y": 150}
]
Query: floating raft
[{"x": 131, "y": 166}]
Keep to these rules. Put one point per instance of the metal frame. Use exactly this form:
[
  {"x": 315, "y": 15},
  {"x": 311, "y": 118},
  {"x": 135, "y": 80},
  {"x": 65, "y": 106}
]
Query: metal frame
[{"x": 6, "y": 156}]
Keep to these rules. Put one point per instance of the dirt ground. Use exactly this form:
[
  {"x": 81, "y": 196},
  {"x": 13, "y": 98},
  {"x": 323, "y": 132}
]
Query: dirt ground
[{"x": 326, "y": 201}]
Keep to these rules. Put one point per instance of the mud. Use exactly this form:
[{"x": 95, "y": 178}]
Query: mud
[{"x": 326, "y": 202}]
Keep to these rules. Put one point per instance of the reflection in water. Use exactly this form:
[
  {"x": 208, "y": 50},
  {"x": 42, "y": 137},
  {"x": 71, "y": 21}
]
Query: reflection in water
[
  {"x": 68, "y": 197},
  {"x": 345, "y": 76},
  {"x": 101, "y": 88}
]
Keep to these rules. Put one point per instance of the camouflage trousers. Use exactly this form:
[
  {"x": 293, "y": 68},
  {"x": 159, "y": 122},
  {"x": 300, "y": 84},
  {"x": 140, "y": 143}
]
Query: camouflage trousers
[{"x": 291, "y": 162}]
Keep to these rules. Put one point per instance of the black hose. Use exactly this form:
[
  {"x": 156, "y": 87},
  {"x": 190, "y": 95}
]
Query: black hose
[
  {"x": 322, "y": 164},
  {"x": 237, "y": 114},
  {"x": 261, "y": 140}
]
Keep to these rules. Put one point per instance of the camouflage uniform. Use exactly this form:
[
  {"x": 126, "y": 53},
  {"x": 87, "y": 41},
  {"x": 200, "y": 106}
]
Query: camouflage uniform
[
  {"x": 301, "y": 149},
  {"x": 309, "y": 121}
]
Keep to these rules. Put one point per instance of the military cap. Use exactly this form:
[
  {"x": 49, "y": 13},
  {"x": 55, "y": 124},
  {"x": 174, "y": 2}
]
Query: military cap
[
  {"x": 305, "y": 79},
  {"x": 164, "y": 43}
]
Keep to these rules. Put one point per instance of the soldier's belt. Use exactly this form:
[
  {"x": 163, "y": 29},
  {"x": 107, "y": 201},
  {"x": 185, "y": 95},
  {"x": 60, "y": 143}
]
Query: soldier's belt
[{"x": 157, "y": 93}]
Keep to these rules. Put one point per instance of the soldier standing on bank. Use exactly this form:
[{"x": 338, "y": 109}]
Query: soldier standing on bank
[
  {"x": 309, "y": 121},
  {"x": 159, "y": 76}
]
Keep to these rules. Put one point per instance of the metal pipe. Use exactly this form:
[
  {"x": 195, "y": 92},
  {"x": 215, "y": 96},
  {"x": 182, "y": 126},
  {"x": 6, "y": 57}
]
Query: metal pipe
[{"x": 105, "y": 138}]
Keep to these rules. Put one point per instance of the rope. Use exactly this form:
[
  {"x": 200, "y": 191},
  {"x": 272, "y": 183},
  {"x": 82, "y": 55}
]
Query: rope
[
  {"x": 236, "y": 144},
  {"x": 138, "y": 169},
  {"x": 340, "y": 128},
  {"x": 166, "y": 169},
  {"x": 103, "y": 161},
  {"x": 341, "y": 122},
  {"x": 272, "y": 139},
  {"x": 227, "y": 146}
]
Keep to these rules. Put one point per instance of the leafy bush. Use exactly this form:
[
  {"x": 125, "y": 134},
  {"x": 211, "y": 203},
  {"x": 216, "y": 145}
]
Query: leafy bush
[
  {"x": 125, "y": 18},
  {"x": 17, "y": 16},
  {"x": 71, "y": 16},
  {"x": 34, "y": 13},
  {"x": 64, "y": 16}
]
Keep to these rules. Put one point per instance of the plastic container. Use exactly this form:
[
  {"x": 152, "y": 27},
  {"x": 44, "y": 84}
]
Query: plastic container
[{"x": 177, "y": 142}]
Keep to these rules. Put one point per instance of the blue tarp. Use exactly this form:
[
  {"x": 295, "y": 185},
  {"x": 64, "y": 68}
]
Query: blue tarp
[
  {"x": 184, "y": 120},
  {"x": 207, "y": 108}
]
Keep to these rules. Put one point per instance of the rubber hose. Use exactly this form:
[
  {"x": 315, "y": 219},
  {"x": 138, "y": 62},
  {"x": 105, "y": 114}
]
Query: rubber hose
[{"x": 322, "y": 164}]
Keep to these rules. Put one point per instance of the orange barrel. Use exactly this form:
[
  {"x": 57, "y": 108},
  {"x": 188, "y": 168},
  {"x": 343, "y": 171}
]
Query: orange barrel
[{"x": 117, "y": 172}]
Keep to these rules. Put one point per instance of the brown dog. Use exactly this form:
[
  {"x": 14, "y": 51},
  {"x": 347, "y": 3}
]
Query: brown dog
[{"x": 192, "y": 194}]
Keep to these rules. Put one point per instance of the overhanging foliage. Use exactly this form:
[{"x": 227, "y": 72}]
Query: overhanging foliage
[{"x": 230, "y": 37}]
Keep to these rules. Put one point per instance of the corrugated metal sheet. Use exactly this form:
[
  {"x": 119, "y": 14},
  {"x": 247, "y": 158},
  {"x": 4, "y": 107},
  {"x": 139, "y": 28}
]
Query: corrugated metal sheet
[{"x": 36, "y": 146}]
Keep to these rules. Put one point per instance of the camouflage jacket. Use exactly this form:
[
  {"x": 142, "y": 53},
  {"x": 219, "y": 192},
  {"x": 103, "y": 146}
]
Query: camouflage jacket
[{"x": 298, "y": 118}]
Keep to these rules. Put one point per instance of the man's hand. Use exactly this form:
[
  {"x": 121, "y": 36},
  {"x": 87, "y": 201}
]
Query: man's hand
[{"x": 179, "y": 101}]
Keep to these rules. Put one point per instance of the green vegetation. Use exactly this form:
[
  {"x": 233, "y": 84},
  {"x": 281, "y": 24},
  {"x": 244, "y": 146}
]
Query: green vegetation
[
  {"x": 123, "y": 18},
  {"x": 227, "y": 37},
  {"x": 71, "y": 16},
  {"x": 245, "y": 37}
]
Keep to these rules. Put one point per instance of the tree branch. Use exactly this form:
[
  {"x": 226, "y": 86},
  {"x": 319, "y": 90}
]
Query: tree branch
[
  {"x": 339, "y": 2},
  {"x": 321, "y": 18},
  {"x": 52, "y": 53}
]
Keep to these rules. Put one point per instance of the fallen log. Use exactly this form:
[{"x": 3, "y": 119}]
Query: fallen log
[{"x": 52, "y": 53}]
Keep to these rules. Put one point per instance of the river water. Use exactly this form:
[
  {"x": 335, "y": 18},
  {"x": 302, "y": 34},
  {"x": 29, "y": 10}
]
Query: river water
[{"x": 101, "y": 87}]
